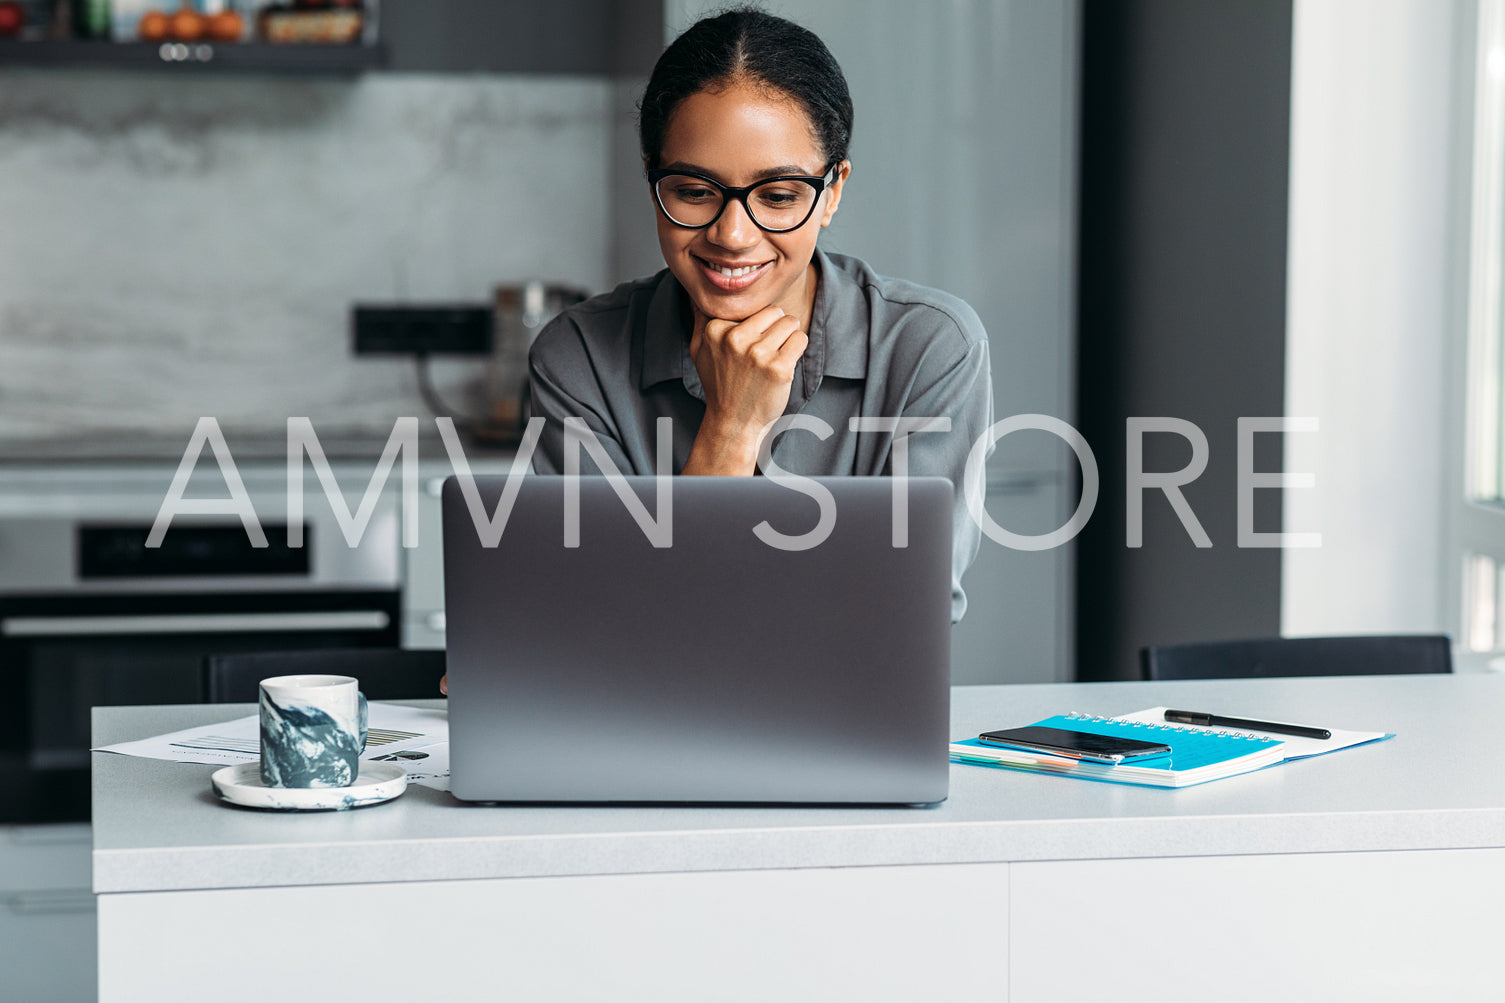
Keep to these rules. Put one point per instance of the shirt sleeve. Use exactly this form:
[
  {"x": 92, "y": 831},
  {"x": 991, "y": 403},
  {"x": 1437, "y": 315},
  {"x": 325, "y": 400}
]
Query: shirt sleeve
[
  {"x": 944, "y": 368},
  {"x": 957, "y": 386},
  {"x": 562, "y": 384}
]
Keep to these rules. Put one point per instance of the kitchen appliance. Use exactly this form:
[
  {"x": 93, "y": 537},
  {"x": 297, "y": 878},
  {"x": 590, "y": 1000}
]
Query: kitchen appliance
[
  {"x": 90, "y": 616},
  {"x": 521, "y": 312}
]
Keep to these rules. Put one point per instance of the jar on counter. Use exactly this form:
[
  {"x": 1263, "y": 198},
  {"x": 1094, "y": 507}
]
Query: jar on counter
[
  {"x": 521, "y": 312},
  {"x": 91, "y": 19}
]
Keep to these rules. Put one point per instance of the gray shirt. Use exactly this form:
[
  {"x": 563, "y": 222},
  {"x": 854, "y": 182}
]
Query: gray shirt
[{"x": 879, "y": 347}]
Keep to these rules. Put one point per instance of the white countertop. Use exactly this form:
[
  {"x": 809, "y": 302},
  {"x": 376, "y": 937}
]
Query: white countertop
[
  {"x": 158, "y": 826},
  {"x": 269, "y": 446}
]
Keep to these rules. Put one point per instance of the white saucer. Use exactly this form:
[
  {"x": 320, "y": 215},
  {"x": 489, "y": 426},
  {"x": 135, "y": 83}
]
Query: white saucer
[{"x": 242, "y": 785}]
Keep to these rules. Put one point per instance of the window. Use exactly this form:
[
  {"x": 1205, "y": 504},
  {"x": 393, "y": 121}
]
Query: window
[{"x": 1478, "y": 509}]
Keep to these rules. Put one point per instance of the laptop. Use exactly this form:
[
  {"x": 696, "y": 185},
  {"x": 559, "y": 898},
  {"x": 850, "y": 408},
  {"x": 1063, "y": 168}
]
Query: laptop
[{"x": 705, "y": 639}]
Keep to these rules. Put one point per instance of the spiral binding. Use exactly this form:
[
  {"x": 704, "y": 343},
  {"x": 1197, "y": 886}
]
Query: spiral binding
[{"x": 1099, "y": 719}]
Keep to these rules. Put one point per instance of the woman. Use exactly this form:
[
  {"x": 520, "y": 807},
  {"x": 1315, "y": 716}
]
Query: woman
[{"x": 744, "y": 128}]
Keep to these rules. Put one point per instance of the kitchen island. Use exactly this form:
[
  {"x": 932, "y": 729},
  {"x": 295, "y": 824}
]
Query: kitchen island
[{"x": 1374, "y": 873}]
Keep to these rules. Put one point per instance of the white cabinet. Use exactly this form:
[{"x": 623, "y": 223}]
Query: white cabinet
[
  {"x": 1018, "y": 623},
  {"x": 47, "y": 915},
  {"x": 871, "y": 934},
  {"x": 1361, "y": 927},
  {"x": 1384, "y": 927},
  {"x": 423, "y": 565}
]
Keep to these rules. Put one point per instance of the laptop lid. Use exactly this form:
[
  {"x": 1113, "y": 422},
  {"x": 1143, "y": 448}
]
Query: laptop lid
[{"x": 698, "y": 639}]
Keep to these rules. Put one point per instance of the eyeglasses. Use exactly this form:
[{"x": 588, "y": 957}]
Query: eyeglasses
[{"x": 776, "y": 205}]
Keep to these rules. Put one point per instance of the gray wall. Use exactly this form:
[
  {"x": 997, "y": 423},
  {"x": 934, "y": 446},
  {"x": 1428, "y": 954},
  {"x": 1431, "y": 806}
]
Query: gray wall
[
  {"x": 1186, "y": 117},
  {"x": 176, "y": 246},
  {"x": 963, "y": 156}
]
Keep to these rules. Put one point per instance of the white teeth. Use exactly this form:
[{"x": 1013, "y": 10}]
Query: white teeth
[{"x": 733, "y": 273}]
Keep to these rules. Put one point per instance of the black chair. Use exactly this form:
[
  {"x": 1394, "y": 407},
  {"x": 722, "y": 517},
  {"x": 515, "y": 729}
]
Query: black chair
[
  {"x": 384, "y": 673},
  {"x": 1299, "y": 656}
]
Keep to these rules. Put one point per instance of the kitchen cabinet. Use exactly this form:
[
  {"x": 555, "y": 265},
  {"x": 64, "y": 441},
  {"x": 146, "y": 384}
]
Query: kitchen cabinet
[
  {"x": 423, "y": 565},
  {"x": 47, "y": 910},
  {"x": 1018, "y": 602},
  {"x": 198, "y": 56},
  {"x": 581, "y": 37},
  {"x": 573, "y": 37},
  {"x": 47, "y": 914}
]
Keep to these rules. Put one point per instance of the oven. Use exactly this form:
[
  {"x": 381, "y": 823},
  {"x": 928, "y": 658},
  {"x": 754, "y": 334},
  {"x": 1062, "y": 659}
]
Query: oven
[{"x": 90, "y": 616}]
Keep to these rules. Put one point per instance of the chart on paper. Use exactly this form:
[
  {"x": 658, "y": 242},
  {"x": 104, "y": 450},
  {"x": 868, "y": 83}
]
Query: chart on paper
[{"x": 416, "y": 738}]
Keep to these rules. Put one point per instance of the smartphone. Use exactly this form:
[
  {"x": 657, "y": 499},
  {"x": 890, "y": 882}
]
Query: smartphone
[{"x": 1076, "y": 744}]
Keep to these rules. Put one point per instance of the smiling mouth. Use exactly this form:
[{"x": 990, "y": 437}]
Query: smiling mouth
[{"x": 729, "y": 278}]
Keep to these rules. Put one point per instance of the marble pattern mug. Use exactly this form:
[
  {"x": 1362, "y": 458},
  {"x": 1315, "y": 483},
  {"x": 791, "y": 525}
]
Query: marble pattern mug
[{"x": 313, "y": 729}]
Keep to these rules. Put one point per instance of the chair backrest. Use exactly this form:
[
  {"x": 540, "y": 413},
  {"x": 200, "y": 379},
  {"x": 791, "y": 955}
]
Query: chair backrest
[
  {"x": 1299, "y": 656},
  {"x": 384, "y": 673}
]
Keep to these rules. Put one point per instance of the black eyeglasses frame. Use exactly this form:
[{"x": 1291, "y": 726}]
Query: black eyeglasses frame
[{"x": 820, "y": 184}]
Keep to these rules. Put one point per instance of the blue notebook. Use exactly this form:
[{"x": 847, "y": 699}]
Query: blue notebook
[{"x": 1197, "y": 755}]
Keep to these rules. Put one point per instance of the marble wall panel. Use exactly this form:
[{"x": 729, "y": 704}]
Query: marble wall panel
[{"x": 174, "y": 246}]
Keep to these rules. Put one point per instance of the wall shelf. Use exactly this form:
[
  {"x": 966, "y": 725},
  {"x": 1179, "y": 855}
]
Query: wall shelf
[
  {"x": 191, "y": 56},
  {"x": 610, "y": 38}
]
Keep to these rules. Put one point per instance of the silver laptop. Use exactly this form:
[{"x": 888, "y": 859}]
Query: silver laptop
[{"x": 729, "y": 639}]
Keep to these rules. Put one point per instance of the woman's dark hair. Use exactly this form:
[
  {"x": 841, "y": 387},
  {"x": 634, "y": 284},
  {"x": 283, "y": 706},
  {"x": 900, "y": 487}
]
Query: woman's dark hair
[{"x": 749, "y": 44}]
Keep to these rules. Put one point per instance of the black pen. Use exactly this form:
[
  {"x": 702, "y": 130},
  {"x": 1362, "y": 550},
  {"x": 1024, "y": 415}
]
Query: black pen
[{"x": 1196, "y": 717}]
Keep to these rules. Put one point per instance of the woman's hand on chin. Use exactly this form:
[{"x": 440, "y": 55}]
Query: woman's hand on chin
[{"x": 746, "y": 369}]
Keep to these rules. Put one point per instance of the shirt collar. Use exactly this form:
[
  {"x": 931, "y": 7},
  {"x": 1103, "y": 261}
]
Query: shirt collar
[
  {"x": 666, "y": 340},
  {"x": 838, "y": 334},
  {"x": 841, "y": 319}
]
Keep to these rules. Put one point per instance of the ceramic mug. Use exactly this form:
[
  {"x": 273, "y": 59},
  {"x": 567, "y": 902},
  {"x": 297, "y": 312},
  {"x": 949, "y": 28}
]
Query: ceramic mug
[{"x": 313, "y": 729}]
